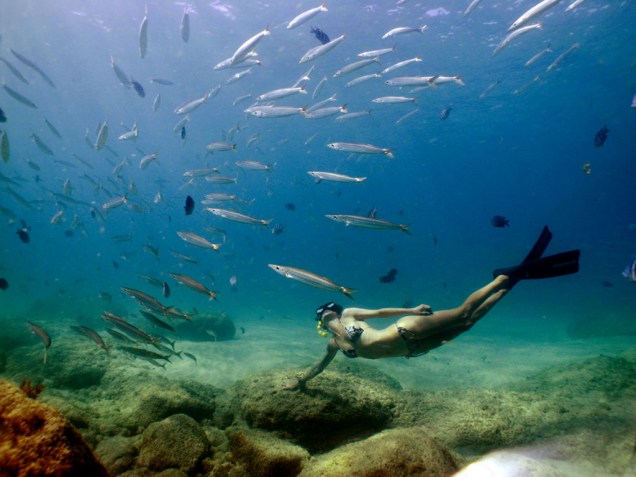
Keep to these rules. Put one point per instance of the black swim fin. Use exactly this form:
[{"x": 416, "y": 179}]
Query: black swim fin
[
  {"x": 564, "y": 263},
  {"x": 534, "y": 267}
]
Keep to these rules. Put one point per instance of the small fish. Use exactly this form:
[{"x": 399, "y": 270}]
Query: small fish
[
  {"x": 360, "y": 148},
  {"x": 14, "y": 70},
  {"x": 194, "y": 285},
  {"x": 185, "y": 25},
  {"x": 121, "y": 76},
  {"x": 156, "y": 321},
  {"x": 189, "y": 205},
  {"x": 190, "y": 355},
  {"x": 533, "y": 12},
  {"x": 320, "y": 35},
  {"x": 41, "y": 145},
  {"x": 368, "y": 222},
  {"x": 244, "y": 50},
  {"x": 499, "y": 221},
  {"x": 46, "y": 339},
  {"x": 630, "y": 271},
  {"x": 601, "y": 136},
  {"x": 138, "y": 88},
  {"x": 242, "y": 330},
  {"x": 165, "y": 290},
  {"x": 333, "y": 177},
  {"x": 4, "y": 284},
  {"x": 234, "y": 283},
  {"x": 197, "y": 240},
  {"x": 92, "y": 334},
  {"x": 143, "y": 35},
  {"x": 5, "y": 151},
  {"x": 305, "y": 16},
  {"x": 290, "y": 206},
  {"x": 33, "y": 66},
  {"x": 23, "y": 233},
  {"x": 445, "y": 113},
  {"x": 278, "y": 229},
  {"x": 156, "y": 103},
  {"x": 102, "y": 136},
  {"x": 53, "y": 129},
  {"x": 310, "y": 278},
  {"x": 238, "y": 217},
  {"x": 389, "y": 277},
  {"x": 320, "y": 50},
  {"x": 3, "y": 118},
  {"x": 182, "y": 134},
  {"x": 162, "y": 81},
  {"x": 403, "y": 30},
  {"x": 19, "y": 98}
]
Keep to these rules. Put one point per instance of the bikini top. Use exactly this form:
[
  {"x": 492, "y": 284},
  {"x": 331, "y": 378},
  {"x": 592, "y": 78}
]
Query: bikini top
[{"x": 354, "y": 333}]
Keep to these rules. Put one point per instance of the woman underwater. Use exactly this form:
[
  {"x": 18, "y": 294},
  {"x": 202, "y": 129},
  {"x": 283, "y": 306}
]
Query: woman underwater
[{"x": 420, "y": 329}]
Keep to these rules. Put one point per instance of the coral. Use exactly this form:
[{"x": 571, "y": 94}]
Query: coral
[{"x": 36, "y": 440}]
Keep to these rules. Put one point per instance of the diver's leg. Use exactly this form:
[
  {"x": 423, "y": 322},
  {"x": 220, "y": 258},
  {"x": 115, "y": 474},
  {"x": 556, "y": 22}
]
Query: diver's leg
[{"x": 460, "y": 317}]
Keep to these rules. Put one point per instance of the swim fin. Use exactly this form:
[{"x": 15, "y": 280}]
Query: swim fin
[
  {"x": 534, "y": 267},
  {"x": 564, "y": 263}
]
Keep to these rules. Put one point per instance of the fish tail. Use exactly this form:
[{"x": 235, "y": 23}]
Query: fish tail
[
  {"x": 405, "y": 228},
  {"x": 44, "y": 360}
]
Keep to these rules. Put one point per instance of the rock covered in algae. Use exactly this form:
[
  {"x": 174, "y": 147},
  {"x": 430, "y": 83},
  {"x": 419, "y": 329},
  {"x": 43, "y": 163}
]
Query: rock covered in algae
[
  {"x": 37, "y": 440},
  {"x": 261, "y": 454},
  {"x": 117, "y": 453},
  {"x": 176, "y": 442},
  {"x": 410, "y": 451},
  {"x": 333, "y": 409}
]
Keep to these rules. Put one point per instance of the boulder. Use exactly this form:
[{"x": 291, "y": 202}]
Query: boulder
[
  {"x": 35, "y": 439},
  {"x": 262, "y": 454},
  {"x": 117, "y": 453},
  {"x": 404, "y": 452},
  {"x": 176, "y": 442},
  {"x": 333, "y": 409}
]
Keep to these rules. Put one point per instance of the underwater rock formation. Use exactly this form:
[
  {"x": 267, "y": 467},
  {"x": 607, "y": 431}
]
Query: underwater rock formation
[
  {"x": 261, "y": 454},
  {"x": 176, "y": 442},
  {"x": 314, "y": 418},
  {"x": 207, "y": 327},
  {"x": 37, "y": 440},
  {"x": 409, "y": 451}
]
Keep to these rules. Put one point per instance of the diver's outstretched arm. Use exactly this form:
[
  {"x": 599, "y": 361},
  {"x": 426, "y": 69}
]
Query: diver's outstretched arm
[{"x": 299, "y": 382}]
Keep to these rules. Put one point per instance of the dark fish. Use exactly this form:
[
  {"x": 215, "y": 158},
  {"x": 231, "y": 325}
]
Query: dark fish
[
  {"x": 138, "y": 88},
  {"x": 23, "y": 233},
  {"x": 499, "y": 221},
  {"x": 242, "y": 330},
  {"x": 389, "y": 277},
  {"x": 445, "y": 112},
  {"x": 91, "y": 334},
  {"x": 278, "y": 229},
  {"x": 601, "y": 136},
  {"x": 189, "y": 205},
  {"x": 321, "y": 35},
  {"x": 183, "y": 132},
  {"x": 3, "y": 118},
  {"x": 164, "y": 82},
  {"x": 165, "y": 290},
  {"x": 156, "y": 321},
  {"x": 190, "y": 355},
  {"x": 115, "y": 264},
  {"x": 68, "y": 233},
  {"x": 44, "y": 336},
  {"x": 144, "y": 353},
  {"x": 372, "y": 213},
  {"x": 290, "y": 206},
  {"x": 119, "y": 336},
  {"x": 4, "y": 284}
]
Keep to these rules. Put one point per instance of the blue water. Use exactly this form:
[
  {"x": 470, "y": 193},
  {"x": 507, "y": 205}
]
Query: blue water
[{"x": 518, "y": 155}]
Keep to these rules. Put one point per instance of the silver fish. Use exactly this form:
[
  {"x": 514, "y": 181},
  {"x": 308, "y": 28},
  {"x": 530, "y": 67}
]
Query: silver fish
[
  {"x": 306, "y": 16},
  {"x": 102, "y": 136},
  {"x": 374, "y": 53},
  {"x": 14, "y": 70},
  {"x": 320, "y": 50},
  {"x": 143, "y": 35},
  {"x": 538, "y": 9},
  {"x": 243, "y": 50},
  {"x": 121, "y": 76},
  {"x": 401, "y": 64},
  {"x": 368, "y": 222},
  {"x": 185, "y": 25},
  {"x": 562, "y": 57},
  {"x": 238, "y": 217},
  {"x": 156, "y": 103},
  {"x": 403, "y": 30},
  {"x": 351, "y": 67},
  {"x": 360, "y": 148},
  {"x": 512, "y": 35},
  {"x": 273, "y": 111},
  {"x": 333, "y": 177},
  {"x": 33, "y": 66},
  {"x": 194, "y": 285},
  {"x": 310, "y": 278},
  {"x": 281, "y": 93},
  {"x": 197, "y": 240},
  {"x": 41, "y": 145},
  {"x": 362, "y": 79},
  {"x": 44, "y": 336}
]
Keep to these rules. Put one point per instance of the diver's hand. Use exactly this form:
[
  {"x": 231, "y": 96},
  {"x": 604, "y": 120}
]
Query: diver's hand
[{"x": 422, "y": 310}]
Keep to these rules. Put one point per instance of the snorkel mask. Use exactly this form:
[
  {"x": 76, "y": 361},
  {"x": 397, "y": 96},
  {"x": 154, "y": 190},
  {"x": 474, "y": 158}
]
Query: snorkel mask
[{"x": 331, "y": 306}]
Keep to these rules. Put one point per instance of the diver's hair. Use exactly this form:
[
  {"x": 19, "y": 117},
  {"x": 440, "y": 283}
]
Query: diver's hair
[{"x": 330, "y": 306}]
